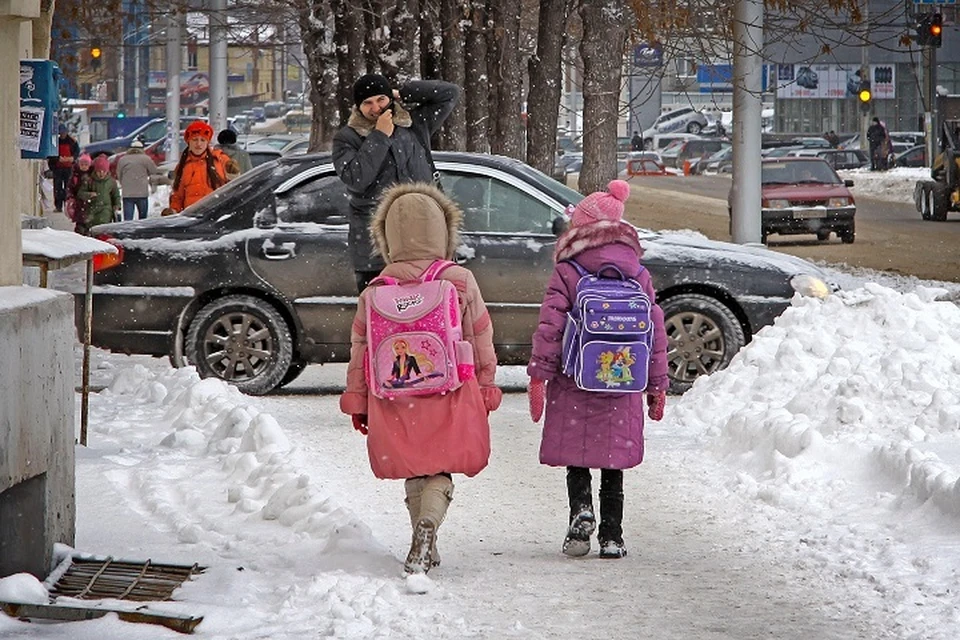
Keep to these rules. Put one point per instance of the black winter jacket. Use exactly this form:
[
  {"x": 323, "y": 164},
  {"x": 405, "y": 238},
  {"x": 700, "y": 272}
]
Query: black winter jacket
[{"x": 368, "y": 161}]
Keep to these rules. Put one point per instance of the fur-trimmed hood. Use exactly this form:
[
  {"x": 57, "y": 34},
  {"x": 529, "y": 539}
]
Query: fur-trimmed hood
[
  {"x": 414, "y": 221},
  {"x": 359, "y": 123},
  {"x": 576, "y": 240}
]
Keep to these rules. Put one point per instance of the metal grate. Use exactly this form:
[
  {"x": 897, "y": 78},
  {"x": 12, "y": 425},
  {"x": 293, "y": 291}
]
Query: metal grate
[{"x": 92, "y": 579}]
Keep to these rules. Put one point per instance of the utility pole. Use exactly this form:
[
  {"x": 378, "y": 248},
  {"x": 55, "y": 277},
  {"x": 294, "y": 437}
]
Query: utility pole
[
  {"x": 746, "y": 219},
  {"x": 865, "y": 75},
  {"x": 218, "y": 65},
  {"x": 930, "y": 130},
  {"x": 174, "y": 63}
]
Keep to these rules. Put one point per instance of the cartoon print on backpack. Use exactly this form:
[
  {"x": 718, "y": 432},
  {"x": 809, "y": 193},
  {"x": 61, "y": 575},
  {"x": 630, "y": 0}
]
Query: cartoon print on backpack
[{"x": 613, "y": 367}]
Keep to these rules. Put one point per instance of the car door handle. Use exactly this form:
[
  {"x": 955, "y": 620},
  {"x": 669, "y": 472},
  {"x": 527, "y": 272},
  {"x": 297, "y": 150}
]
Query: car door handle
[{"x": 283, "y": 251}]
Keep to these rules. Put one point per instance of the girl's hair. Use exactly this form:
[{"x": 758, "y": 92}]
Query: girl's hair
[
  {"x": 397, "y": 343},
  {"x": 212, "y": 176}
]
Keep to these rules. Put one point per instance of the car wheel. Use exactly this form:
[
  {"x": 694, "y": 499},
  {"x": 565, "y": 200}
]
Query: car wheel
[
  {"x": 939, "y": 201},
  {"x": 242, "y": 340},
  {"x": 848, "y": 235},
  {"x": 921, "y": 194},
  {"x": 703, "y": 335},
  {"x": 695, "y": 128},
  {"x": 293, "y": 372},
  {"x": 823, "y": 235}
]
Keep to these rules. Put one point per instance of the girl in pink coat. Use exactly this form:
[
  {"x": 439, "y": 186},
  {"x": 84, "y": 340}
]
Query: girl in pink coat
[
  {"x": 587, "y": 430},
  {"x": 424, "y": 439}
]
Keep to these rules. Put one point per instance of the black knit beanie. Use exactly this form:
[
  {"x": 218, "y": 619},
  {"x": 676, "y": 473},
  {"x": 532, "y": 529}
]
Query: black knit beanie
[
  {"x": 372, "y": 84},
  {"x": 227, "y": 136}
]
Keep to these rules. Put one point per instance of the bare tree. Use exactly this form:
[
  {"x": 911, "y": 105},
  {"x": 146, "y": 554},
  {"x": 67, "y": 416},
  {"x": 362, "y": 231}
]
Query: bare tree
[
  {"x": 431, "y": 49},
  {"x": 452, "y": 16},
  {"x": 401, "y": 51},
  {"x": 477, "y": 81},
  {"x": 605, "y": 26},
  {"x": 503, "y": 66},
  {"x": 348, "y": 39},
  {"x": 316, "y": 22},
  {"x": 543, "y": 97}
]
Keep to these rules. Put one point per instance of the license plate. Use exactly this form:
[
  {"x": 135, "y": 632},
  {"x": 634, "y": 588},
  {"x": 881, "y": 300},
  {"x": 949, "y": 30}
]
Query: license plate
[{"x": 804, "y": 214}]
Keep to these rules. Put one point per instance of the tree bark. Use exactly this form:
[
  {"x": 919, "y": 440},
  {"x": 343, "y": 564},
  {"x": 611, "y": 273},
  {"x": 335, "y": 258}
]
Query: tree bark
[
  {"x": 545, "y": 80},
  {"x": 399, "y": 55},
  {"x": 315, "y": 19},
  {"x": 348, "y": 36},
  {"x": 605, "y": 24},
  {"x": 476, "y": 87},
  {"x": 503, "y": 66},
  {"x": 452, "y": 16},
  {"x": 431, "y": 49},
  {"x": 373, "y": 22}
]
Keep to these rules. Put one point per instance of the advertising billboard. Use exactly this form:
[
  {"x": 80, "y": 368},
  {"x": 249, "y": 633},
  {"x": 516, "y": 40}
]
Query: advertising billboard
[{"x": 833, "y": 80}]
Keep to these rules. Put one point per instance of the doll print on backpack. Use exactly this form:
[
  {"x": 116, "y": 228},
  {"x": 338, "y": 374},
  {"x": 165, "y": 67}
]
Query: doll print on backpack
[
  {"x": 614, "y": 367},
  {"x": 409, "y": 367}
]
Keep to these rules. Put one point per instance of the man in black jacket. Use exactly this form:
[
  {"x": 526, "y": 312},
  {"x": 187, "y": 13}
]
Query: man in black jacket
[
  {"x": 876, "y": 135},
  {"x": 61, "y": 165},
  {"x": 383, "y": 144}
]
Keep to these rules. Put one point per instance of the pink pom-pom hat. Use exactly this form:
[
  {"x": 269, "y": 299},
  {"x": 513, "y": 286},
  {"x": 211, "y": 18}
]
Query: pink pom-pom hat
[{"x": 602, "y": 205}]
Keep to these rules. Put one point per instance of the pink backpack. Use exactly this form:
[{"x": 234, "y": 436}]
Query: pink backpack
[{"x": 415, "y": 344}]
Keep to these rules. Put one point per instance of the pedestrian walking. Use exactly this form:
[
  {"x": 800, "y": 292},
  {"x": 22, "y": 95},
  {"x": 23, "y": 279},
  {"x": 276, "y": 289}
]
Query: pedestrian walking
[
  {"x": 74, "y": 207},
  {"x": 423, "y": 439},
  {"x": 636, "y": 142},
  {"x": 135, "y": 171},
  {"x": 601, "y": 428},
  {"x": 200, "y": 171},
  {"x": 227, "y": 143},
  {"x": 61, "y": 165},
  {"x": 100, "y": 195},
  {"x": 876, "y": 135},
  {"x": 386, "y": 142}
]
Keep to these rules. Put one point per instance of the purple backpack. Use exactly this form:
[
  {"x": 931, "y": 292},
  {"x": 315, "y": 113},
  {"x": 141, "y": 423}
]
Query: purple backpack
[{"x": 608, "y": 337}]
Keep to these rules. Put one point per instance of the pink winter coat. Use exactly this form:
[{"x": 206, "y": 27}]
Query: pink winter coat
[
  {"x": 587, "y": 428},
  {"x": 425, "y": 435}
]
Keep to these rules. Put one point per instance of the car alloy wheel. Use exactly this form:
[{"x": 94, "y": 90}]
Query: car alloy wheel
[
  {"x": 703, "y": 335},
  {"x": 242, "y": 340}
]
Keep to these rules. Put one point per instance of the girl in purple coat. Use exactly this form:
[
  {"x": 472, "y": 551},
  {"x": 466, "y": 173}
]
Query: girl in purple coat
[{"x": 587, "y": 430}]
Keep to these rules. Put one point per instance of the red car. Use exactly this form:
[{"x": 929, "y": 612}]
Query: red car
[
  {"x": 804, "y": 195},
  {"x": 157, "y": 151}
]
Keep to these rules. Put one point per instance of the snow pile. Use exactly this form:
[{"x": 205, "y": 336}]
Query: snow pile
[{"x": 895, "y": 185}]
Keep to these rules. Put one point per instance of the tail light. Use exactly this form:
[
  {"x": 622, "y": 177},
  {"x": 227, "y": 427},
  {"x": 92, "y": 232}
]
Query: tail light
[{"x": 104, "y": 261}]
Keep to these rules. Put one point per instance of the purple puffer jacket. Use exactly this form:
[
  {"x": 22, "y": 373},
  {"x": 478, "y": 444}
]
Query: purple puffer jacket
[{"x": 585, "y": 428}]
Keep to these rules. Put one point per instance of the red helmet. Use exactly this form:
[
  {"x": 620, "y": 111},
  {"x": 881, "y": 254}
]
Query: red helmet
[{"x": 198, "y": 128}]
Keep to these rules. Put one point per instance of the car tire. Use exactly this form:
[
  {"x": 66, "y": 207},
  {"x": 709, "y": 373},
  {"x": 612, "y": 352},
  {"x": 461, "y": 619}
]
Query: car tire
[
  {"x": 921, "y": 198},
  {"x": 939, "y": 201},
  {"x": 823, "y": 235},
  {"x": 293, "y": 372},
  {"x": 267, "y": 352},
  {"x": 848, "y": 235},
  {"x": 695, "y": 128},
  {"x": 703, "y": 335}
]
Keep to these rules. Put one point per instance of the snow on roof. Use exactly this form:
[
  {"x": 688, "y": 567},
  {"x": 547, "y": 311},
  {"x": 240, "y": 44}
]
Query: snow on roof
[{"x": 55, "y": 244}]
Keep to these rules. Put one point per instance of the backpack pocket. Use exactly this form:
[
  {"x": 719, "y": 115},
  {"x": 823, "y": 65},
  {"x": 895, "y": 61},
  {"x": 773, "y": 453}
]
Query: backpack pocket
[
  {"x": 610, "y": 366},
  {"x": 412, "y": 363},
  {"x": 616, "y": 317}
]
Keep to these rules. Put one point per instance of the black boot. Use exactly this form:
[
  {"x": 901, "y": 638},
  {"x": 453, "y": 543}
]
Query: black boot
[
  {"x": 582, "y": 518},
  {"x": 610, "y": 536}
]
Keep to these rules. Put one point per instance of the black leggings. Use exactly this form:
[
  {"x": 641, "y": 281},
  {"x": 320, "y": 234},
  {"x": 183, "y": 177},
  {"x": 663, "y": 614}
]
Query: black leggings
[{"x": 580, "y": 494}]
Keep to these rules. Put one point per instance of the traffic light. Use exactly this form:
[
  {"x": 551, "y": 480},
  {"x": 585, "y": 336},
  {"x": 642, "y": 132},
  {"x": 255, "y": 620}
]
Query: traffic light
[
  {"x": 121, "y": 114},
  {"x": 95, "y": 54},
  {"x": 930, "y": 29},
  {"x": 865, "y": 96}
]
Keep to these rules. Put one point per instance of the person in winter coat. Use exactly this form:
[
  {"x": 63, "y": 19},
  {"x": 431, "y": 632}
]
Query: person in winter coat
[
  {"x": 134, "y": 172},
  {"x": 200, "y": 171},
  {"x": 876, "y": 136},
  {"x": 227, "y": 142},
  {"x": 61, "y": 166},
  {"x": 383, "y": 144},
  {"x": 73, "y": 206},
  {"x": 100, "y": 195},
  {"x": 587, "y": 430},
  {"x": 424, "y": 439}
]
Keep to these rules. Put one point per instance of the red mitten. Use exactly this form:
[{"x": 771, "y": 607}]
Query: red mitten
[
  {"x": 360, "y": 423},
  {"x": 656, "y": 401},
  {"x": 538, "y": 398}
]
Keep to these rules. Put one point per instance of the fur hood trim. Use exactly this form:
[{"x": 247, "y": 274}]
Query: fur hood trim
[
  {"x": 357, "y": 121},
  {"x": 576, "y": 240},
  {"x": 453, "y": 217}
]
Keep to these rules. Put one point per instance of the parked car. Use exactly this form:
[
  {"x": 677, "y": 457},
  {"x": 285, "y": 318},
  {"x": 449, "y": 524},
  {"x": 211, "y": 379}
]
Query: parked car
[
  {"x": 156, "y": 151},
  {"x": 686, "y": 119},
  {"x": 147, "y": 133},
  {"x": 298, "y": 121},
  {"x": 697, "y": 149},
  {"x": 720, "y": 162},
  {"x": 274, "y": 109},
  {"x": 253, "y": 282},
  {"x": 279, "y": 141},
  {"x": 261, "y": 153},
  {"x": 259, "y": 115},
  {"x": 803, "y": 195},
  {"x": 912, "y": 157},
  {"x": 836, "y": 158}
]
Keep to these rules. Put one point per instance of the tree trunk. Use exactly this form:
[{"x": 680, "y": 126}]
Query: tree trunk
[
  {"x": 430, "y": 46},
  {"x": 315, "y": 20},
  {"x": 477, "y": 80},
  {"x": 348, "y": 39},
  {"x": 604, "y": 36},
  {"x": 545, "y": 79},
  {"x": 452, "y": 16},
  {"x": 399, "y": 55},
  {"x": 373, "y": 23},
  {"x": 504, "y": 68}
]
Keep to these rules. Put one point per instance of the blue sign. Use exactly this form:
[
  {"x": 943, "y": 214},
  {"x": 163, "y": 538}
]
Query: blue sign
[
  {"x": 645, "y": 55},
  {"x": 39, "y": 108},
  {"x": 934, "y": 1}
]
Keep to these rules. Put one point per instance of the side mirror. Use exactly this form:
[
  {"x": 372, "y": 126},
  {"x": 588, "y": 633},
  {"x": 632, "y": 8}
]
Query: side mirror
[
  {"x": 558, "y": 226},
  {"x": 266, "y": 218},
  {"x": 848, "y": 183}
]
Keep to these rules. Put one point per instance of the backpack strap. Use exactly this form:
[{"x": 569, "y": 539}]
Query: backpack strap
[
  {"x": 383, "y": 280},
  {"x": 433, "y": 272},
  {"x": 611, "y": 266},
  {"x": 576, "y": 265}
]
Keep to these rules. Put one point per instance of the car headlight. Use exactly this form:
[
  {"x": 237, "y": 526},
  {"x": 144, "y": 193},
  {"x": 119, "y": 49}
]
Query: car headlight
[
  {"x": 778, "y": 204},
  {"x": 810, "y": 286},
  {"x": 839, "y": 202}
]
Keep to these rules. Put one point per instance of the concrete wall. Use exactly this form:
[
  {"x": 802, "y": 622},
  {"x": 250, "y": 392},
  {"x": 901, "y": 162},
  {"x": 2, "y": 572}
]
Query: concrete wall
[{"x": 37, "y": 501}]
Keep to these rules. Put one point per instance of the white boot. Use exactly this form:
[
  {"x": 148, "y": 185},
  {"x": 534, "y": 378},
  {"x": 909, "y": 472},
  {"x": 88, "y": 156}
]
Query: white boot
[{"x": 435, "y": 496}]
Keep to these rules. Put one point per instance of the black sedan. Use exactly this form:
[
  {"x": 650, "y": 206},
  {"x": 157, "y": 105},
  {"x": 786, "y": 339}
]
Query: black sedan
[{"x": 254, "y": 282}]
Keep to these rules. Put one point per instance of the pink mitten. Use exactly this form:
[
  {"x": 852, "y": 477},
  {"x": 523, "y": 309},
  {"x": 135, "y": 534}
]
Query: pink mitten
[
  {"x": 360, "y": 423},
  {"x": 656, "y": 401},
  {"x": 538, "y": 397}
]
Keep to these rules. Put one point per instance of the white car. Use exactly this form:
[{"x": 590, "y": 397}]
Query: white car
[{"x": 686, "y": 119}]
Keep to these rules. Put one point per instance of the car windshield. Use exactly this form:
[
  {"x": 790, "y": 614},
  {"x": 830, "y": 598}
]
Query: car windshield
[
  {"x": 722, "y": 154},
  {"x": 812, "y": 172},
  {"x": 238, "y": 190}
]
